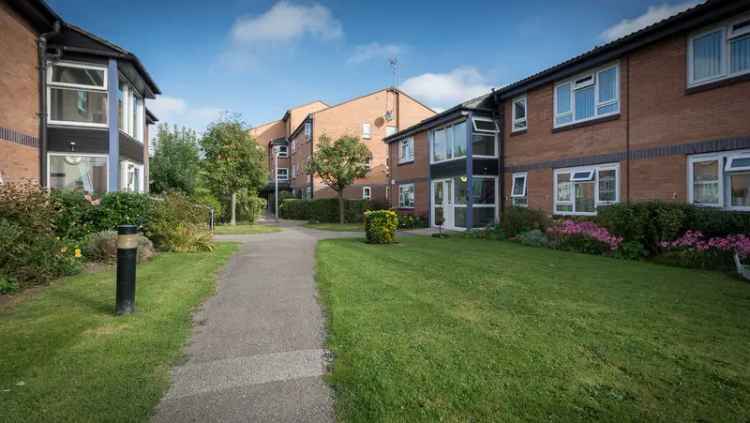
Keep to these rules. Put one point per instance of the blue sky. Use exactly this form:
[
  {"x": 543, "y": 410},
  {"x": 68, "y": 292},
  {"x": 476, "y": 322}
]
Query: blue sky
[{"x": 258, "y": 58}]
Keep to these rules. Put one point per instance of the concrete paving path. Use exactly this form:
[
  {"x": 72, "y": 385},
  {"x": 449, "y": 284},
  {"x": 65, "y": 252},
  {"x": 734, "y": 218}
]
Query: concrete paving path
[{"x": 257, "y": 351}]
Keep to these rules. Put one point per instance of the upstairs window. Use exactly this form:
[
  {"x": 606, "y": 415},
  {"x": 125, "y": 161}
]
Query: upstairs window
[
  {"x": 366, "y": 193},
  {"x": 719, "y": 53},
  {"x": 282, "y": 151},
  {"x": 449, "y": 142},
  {"x": 308, "y": 131},
  {"x": 519, "y": 190},
  {"x": 519, "y": 114},
  {"x": 406, "y": 150},
  {"x": 130, "y": 110},
  {"x": 483, "y": 137},
  {"x": 366, "y": 131},
  {"x": 587, "y": 97},
  {"x": 77, "y": 94}
]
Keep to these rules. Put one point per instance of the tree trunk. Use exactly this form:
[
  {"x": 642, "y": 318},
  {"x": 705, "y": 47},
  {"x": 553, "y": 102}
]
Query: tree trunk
[
  {"x": 234, "y": 209},
  {"x": 341, "y": 207}
]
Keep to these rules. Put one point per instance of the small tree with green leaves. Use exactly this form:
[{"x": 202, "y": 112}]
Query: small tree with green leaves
[
  {"x": 176, "y": 162},
  {"x": 339, "y": 163},
  {"x": 232, "y": 160}
]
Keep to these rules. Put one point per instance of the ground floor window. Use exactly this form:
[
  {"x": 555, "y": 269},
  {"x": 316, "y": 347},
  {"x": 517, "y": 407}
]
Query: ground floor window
[
  {"x": 579, "y": 191},
  {"x": 77, "y": 172},
  {"x": 131, "y": 177},
  {"x": 483, "y": 194},
  {"x": 406, "y": 196},
  {"x": 720, "y": 180},
  {"x": 519, "y": 190},
  {"x": 451, "y": 198}
]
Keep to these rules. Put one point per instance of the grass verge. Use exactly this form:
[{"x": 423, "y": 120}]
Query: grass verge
[
  {"x": 66, "y": 357},
  {"x": 470, "y": 330},
  {"x": 336, "y": 227},
  {"x": 245, "y": 229}
]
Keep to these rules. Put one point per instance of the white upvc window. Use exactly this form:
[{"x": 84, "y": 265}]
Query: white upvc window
[
  {"x": 131, "y": 176},
  {"x": 406, "y": 193},
  {"x": 484, "y": 137},
  {"x": 308, "y": 130},
  {"x": 282, "y": 174},
  {"x": 366, "y": 131},
  {"x": 366, "y": 193},
  {"x": 85, "y": 172},
  {"x": 580, "y": 190},
  {"x": 519, "y": 189},
  {"x": 390, "y": 130},
  {"x": 406, "y": 150},
  {"x": 720, "y": 52},
  {"x": 520, "y": 120},
  {"x": 130, "y": 110},
  {"x": 588, "y": 96},
  {"x": 77, "y": 94},
  {"x": 294, "y": 146},
  {"x": 282, "y": 151},
  {"x": 448, "y": 142},
  {"x": 720, "y": 180}
]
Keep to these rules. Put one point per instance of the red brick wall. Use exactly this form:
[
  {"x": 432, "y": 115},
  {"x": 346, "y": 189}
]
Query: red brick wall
[
  {"x": 19, "y": 104},
  {"x": 416, "y": 172}
]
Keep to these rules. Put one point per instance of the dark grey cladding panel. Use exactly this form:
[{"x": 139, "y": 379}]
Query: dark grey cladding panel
[
  {"x": 446, "y": 169},
  {"x": 130, "y": 148},
  {"x": 486, "y": 167},
  {"x": 67, "y": 139}
]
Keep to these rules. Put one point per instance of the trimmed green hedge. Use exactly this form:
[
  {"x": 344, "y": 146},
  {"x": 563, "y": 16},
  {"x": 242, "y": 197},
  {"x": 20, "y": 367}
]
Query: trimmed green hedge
[{"x": 325, "y": 210}]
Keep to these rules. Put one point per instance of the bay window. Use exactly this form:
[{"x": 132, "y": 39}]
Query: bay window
[
  {"x": 579, "y": 191},
  {"x": 588, "y": 96},
  {"x": 520, "y": 121},
  {"x": 77, "y": 94},
  {"x": 720, "y": 180},
  {"x": 130, "y": 110},
  {"x": 406, "y": 193},
  {"x": 86, "y": 173},
  {"x": 406, "y": 150},
  {"x": 519, "y": 190},
  {"x": 720, "y": 52}
]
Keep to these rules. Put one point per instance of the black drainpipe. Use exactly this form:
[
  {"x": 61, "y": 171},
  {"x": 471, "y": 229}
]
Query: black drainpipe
[{"x": 42, "y": 56}]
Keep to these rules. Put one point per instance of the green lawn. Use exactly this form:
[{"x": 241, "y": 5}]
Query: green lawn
[
  {"x": 245, "y": 229},
  {"x": 467, "y": 330},
  {"x": 337, "y": 227},
  {"x": 65, "y": 357}
]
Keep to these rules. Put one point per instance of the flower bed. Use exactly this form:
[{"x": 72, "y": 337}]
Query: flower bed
[
  {"x": 584, "y": 237},
  {"x": 694, "y": 249}
]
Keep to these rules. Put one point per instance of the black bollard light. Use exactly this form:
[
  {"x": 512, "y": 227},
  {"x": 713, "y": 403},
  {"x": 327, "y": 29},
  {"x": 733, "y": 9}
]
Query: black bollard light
[{"x": 127, "y": 255}]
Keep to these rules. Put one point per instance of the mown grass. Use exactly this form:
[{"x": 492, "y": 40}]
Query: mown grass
[
  {"x": 336, "y": 227},
  {"x": 245, "y": 229},
  {"x": 468, "y": 330},
  {"x": 65, "y": 356}
]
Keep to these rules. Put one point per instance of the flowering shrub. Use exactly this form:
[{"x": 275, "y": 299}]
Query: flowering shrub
[
  {"x": 584, "y": 237},
  {"x": 380, "y": 226},
  {"x": 693, "y": 249}
]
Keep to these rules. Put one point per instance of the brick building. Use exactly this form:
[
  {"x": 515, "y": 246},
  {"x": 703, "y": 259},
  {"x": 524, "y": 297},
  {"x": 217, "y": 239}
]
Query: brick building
[
  {"x": 73, "y": 114},
  {"x": 370, "y": 118},
  {"x": 658, "y": 114}
]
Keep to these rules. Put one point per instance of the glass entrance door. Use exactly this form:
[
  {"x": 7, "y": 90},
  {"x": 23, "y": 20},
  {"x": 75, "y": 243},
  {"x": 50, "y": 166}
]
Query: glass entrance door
[{"x": 442, "y": 203}]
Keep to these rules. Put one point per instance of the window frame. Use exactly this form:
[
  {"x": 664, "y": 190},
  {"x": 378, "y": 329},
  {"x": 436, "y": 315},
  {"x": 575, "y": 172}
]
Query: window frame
[
  {"x": 367, "y": 190},
  {"x": 123, "y": 171},
  {"x": 727, "y": 36},
  {"x": 525, "y": 118},
  {"x": 573, "y": 81},
  {"x": 513, "y": 195},
  {"x": 474, "y": 120},
  {"x": 431, "y": 142},
  {"x": 595, "y": 180},
  {"x": 130, "y": 96},
  {"x": 366, "y": 133},
  {"x": 308, "y": 130},
  {"x": 401, "y": 187},
  {"x": 58, "y": 154},
  {"x": 486, "y": 206},
  {"x": 406, "y": 141},
  {"x": 77, "y": 88},
  {"x": 279, "y": 178},
  {"x": 723, "y": 158},
  {"x": 285, "y": 153}
]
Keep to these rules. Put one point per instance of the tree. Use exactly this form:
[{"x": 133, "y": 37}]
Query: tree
[
  {"x": 339, "y": 163},
  {"x": 176, "y": 162},
  {"x": 232, "y": 160}
]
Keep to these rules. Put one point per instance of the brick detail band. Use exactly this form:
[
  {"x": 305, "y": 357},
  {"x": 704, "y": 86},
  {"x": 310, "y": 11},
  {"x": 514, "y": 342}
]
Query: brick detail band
[
  {"x": 18, "y": 138},
  {"x": 644, "y": 154}
]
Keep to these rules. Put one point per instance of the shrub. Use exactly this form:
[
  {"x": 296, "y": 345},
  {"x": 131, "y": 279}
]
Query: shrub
[
  {"x": 533, "y": 238},
  {"x": 631, "y": 250},
  {"x": 380, "y": 226},
  {"x": 411, "y": 221},
  {"x": 516, "y": 220},
  {"x": 102, "y": 247},
  {"x": 122, "y": 208},
  {"x": 492, "y": 232},
  {"x": 326, "y": 210},
  {"x": 7, "y": 285},
  {"x": 583, "y": 237},
  {"x": 176, "y": 224},
  {"x": 76, "y": 215},
  {"x": 693, "y": 249},
  {"x": 208, "y": 200},
  {"x": 250, "y": 207}
]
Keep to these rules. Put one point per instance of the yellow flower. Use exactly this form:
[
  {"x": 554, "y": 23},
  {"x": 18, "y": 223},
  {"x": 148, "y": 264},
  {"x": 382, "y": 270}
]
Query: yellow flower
[
  {"x": 78, "y": 253},
  {"x": 64, "y": 249}
]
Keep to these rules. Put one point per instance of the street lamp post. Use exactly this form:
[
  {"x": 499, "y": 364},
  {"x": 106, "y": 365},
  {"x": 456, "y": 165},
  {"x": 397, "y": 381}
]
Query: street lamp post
[{"x": 276, "y": 182}]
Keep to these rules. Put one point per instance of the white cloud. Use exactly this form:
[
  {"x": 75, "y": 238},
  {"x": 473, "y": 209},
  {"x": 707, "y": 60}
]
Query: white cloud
[
  {"x": 443, "y": 90},
  {"x": 177, "y": 111},
  {"x": 653, "y": 14},
  {"x": 285, "y": 22},
  {"x": 375, "y": 50}
]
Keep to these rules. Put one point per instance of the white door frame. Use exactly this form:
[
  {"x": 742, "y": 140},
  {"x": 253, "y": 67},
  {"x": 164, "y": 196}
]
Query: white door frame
[{"x": 447, "y": 185}]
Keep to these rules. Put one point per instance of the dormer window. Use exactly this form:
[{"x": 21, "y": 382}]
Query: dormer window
[{"x": 77, "y": 94}]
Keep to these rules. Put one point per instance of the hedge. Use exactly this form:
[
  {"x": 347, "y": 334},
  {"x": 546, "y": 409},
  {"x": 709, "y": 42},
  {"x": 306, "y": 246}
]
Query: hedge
[{"x": 326, "y": 210}]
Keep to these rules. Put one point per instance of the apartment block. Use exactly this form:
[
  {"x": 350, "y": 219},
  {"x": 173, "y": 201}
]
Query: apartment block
[
  {"x": 370, "y": 118},
  {"x": 660, "y": 114},
  {"x": 73, "y": 115}
]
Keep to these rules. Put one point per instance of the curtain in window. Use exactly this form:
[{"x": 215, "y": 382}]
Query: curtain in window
[
  {"x": 707, "y": 56},
  {"x": 584, "y": 102},
  {"x": 740, "y": 48},
  {"x": 740, "y": 188}
]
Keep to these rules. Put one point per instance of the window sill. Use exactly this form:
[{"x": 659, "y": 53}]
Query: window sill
[
  {"x": 717, "y": 84},
  {"x": 406, "y": 162},
  {"x": 77, "y": 125},
  {"x": 518, "y": 132},
  {"x": 586, "y": 123}
]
